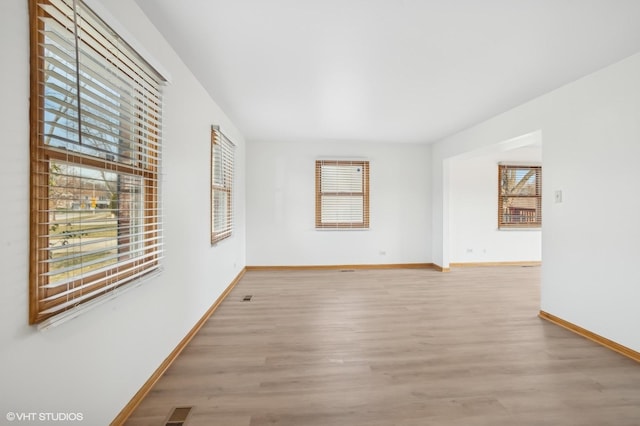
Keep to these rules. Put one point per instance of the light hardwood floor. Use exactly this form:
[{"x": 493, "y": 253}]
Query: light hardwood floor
[{"x": 393, "y": 347}]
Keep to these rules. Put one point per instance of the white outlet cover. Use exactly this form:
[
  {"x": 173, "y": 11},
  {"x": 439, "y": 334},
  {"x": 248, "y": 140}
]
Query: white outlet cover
[{"x": 558, "y": 196}]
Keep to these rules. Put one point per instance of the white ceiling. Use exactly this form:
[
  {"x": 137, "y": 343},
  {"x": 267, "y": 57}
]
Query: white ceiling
[{"x": 388, "y": 70}]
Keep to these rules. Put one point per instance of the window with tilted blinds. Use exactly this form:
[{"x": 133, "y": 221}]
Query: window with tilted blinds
[
  {"x": 519, "y": 196},
  {"x": 96, "y": 216},
  {"x": 222, "y": 156},
  {"x": 342, "y": 194}
]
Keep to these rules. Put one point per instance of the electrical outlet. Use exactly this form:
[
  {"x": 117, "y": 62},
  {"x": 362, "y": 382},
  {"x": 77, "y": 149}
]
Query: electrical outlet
[{"x": 558, "y": 196}]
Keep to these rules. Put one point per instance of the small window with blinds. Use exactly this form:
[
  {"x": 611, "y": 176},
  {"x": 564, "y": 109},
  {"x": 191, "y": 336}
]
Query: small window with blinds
[
  {"x": 342, "y": 194},
  {"x": 519, "y": 196},
  {"x": 95, "y": 156},
  {"x": 222, "y": 153}
]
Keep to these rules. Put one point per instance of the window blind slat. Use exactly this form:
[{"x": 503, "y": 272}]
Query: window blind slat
[{"x": 96, "y": 107}]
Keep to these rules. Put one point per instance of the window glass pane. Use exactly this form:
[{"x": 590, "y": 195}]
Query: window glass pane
[
  {"x": 220, "y": 208},
  {"x": 110, "y": 104},
  {"x": 520, "y": 210},
  {"x": 342, "y": 209},
  {"x": 91, "y": 212},
  {"x": 216, "y": 169},
  {"x": 60, "y": 86},
  {"x": 519, "y": 181},
  {"x": 130, "y": 213},
  {"x": 341, "y": 178}
]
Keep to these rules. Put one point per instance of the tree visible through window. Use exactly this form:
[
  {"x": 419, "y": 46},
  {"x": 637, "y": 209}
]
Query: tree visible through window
[
  {"x": 519, "y": 196},
  {"x": 95, "y": 152},
  {"x": 342, "y": 194}
]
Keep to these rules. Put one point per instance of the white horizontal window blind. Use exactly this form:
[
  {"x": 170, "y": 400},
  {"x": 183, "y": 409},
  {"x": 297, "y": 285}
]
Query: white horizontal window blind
[
  {"x": 222, "y": 156},
  {"x": 342, "y": 194},
  {"x": 95, "y": 142},
  {"x": 519, "y": 196}
]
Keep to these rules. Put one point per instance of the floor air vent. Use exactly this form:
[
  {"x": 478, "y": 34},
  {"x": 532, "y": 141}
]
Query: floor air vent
[
  {"x": 347, "y": 270},
  {"x": 247, "y": 298},
  {"x": 178, "y": 416}
]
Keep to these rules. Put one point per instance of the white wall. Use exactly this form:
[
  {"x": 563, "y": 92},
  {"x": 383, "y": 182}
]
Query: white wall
[
  {"x": 591, "y": 137},
  {"x": 281, "y": 206},
  {"x": 95, "y": 363},
  {"x": 473, "y": 201}
]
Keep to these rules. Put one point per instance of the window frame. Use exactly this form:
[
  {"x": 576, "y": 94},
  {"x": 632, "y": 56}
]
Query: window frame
[
  {"x": 529, "y": 218},
  {"x": 223, "y": 146},
  {"x": 365, "y": 194},
  {"x": 132, "y": 259}
]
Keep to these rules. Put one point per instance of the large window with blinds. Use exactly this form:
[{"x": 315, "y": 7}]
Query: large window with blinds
[
  {"x": 95, "y": 157},
  {"x": 342, "y": 194},
  {"x": 519, "y": 196},
  {"x": 222, "y": 155}
]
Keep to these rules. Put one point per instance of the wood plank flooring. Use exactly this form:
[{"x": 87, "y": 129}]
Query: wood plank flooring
[{"x": 393, "y": 347}]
